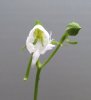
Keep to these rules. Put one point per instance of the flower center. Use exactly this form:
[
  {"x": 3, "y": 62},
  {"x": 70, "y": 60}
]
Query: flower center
[{"x": 39, "y": 36}]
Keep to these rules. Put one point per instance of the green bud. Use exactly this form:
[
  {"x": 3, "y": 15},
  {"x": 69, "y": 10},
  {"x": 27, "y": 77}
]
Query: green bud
[{"x": 73, "y": 29}]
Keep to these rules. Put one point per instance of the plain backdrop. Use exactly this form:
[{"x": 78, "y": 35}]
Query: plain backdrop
[{"x": 68, "y": 75}]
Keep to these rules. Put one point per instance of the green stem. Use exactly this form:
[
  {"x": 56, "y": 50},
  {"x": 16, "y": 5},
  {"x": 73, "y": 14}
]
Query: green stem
[
  {"x": 65, "y": 35},
  {"x": 37, "y": 83},
  {"x": 28, "y": 69}
]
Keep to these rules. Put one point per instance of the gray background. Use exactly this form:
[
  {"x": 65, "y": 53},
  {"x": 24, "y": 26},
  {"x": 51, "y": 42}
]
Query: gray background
[{"x": 68, "y": 75}]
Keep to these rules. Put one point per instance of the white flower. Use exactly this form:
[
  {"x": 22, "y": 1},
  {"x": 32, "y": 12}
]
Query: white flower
[{"x": 38, "y": 42}]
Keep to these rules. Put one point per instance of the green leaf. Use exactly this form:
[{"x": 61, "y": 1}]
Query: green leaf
[
  {"x": 73, "y": 29},
  {"x": 71, "y": 42},
  {"x": 28, "y": 69}
]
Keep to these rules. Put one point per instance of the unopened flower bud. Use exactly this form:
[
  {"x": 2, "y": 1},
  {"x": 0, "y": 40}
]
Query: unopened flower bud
[{"x": 73, "y": 29}]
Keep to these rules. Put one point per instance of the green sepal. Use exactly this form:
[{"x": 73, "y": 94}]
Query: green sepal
[
  {"x": 73, "y": 28},
  {"x": 28, "y": 69}
]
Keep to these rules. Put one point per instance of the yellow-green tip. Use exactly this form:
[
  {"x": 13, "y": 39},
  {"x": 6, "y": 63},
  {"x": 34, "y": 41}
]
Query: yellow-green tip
[
  {"x": 25, "y": 79},
  {"x": 37, "y": 22}
]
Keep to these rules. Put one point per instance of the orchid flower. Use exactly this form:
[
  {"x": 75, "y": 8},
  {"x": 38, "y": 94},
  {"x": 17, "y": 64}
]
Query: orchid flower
[{"x": 38, "y": 42}]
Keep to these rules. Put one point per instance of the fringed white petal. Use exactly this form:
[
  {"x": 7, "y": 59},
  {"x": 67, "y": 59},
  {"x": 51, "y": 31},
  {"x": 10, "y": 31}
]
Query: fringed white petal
[
  {"x": 48, "y": 47},
  {"x": 35, "y": 57},
  {"x": 50, "y": 35},
  {"x": 50, "y": 39}
]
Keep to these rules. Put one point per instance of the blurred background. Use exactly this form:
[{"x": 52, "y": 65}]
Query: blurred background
[{"x": 68, "y": 75}]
